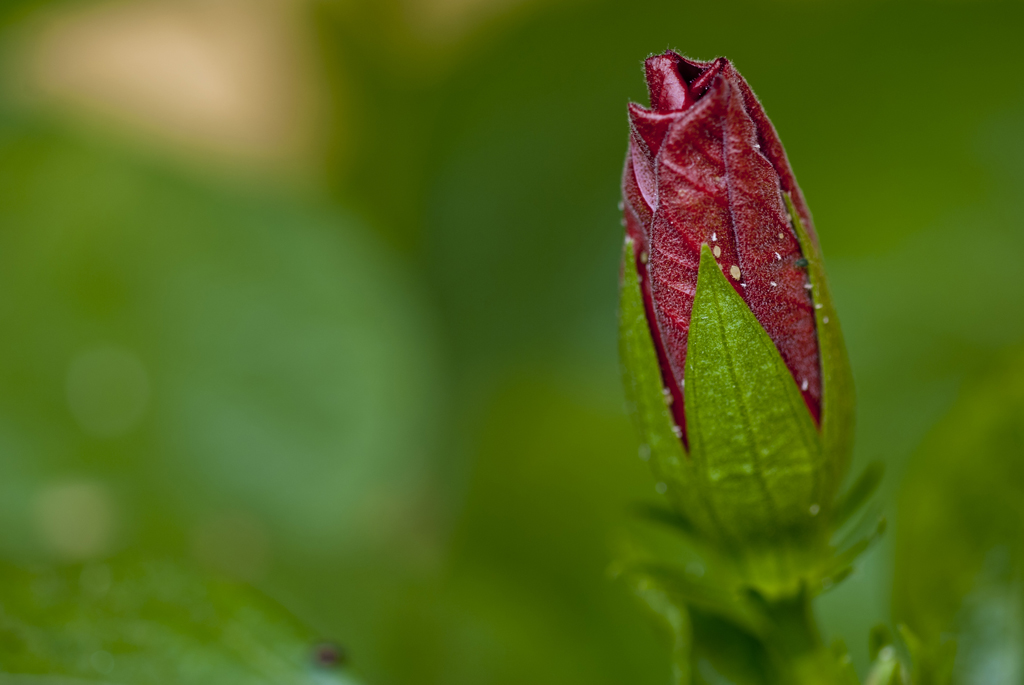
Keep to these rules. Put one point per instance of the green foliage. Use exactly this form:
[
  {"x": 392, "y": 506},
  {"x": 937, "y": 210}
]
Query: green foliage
[
  {"x": 268, "y": 368},
  {"x": 960, "y": 552},
  {"x": 152, "y": 623},
  {"x": 752, "y": 437},
  {"x": 492, "y": 159},
  {"x": 761, "y": 481}
]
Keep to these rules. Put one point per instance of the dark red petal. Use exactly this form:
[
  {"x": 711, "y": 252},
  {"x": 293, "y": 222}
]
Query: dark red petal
[
  {"x": 650, "y": 126},
  {"x": 635, "y": 207},
  {"x": 769, "y": 251},
  {"x": 710, "y": 70},
  {"x": 668, "y": 89},
  {"x": 772, "y": 148},
  {"x": 694, "y": 210}
]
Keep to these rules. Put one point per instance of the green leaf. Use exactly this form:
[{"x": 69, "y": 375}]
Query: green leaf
[
  {"x": 959, "y": 563},
  {"x": 838, "y": 401},
  {"x": 645, "y": 400},
  {"x": 149, "y": 624},
  {"x": 930, "y": 663},
  {"x": 879, "y": 638},
  {"x": 886, "y": 669},
  {"x": 859, "y": 493},
  {"x": 711, "y": 641},
  {"x": 676, "y": 621},
  {"x": 752, "y": 438}
]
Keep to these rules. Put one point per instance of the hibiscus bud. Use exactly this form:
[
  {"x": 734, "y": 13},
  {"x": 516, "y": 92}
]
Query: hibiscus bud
[{"x": 734, "y": 360}]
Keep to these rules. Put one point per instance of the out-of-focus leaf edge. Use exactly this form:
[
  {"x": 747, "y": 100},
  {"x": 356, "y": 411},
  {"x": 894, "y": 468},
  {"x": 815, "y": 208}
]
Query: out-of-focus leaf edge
[
  {"x": 149, "y": 618},
  {"x": 645, "y": 399},
  {"x": 675, "y": 619},
  {"x": 838, "y": 401}
]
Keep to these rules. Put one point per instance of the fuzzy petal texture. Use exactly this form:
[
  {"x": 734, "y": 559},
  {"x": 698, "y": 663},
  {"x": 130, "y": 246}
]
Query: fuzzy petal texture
[{"x": 705, "y": 166}]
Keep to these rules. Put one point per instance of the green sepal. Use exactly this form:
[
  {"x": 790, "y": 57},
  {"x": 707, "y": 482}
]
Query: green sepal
[
  {"x": 752, "y": 438},
  {"x": 675, "y": 620},
  {"x": 646, "y": 402},
  {"x": 858, "y": 494},
  {"x": 837, "y": 398}
]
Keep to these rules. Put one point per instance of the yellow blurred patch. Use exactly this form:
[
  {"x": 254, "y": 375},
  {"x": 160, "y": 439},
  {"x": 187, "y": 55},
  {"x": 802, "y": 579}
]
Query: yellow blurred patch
[{"x": 231, "y": 77}]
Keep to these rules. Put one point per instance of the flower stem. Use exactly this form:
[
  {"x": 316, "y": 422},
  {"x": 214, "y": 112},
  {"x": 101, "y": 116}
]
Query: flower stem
[{"x": 797, "y": 644}]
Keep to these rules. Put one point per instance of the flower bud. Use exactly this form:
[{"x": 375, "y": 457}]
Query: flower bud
[{"x": 735, "y": 364}]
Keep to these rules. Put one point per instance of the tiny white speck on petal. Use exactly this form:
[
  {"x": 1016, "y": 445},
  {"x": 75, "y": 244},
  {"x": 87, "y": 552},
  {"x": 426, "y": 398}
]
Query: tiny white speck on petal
[
  {"x": 714, "y": 237},
  {"x": 734, "y": 271},
  {"x": 824, "y": 319},
  {"x": 717, "y": 251},
  {"x": 778, "y": 256},
  {"x": 644, "y": 257},
  {"x": 803, "y": 386},
  {"x": 808, "y": 286},
  {"x": 677, "y": 431},
  {"x": 818, "y": 306},
  {"x": 774, "y": 284},
  {"x": 782, "y": 236}
]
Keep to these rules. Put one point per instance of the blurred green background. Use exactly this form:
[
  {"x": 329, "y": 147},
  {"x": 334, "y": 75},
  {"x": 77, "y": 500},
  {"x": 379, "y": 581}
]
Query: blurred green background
[{"x": 320, "y": 294}]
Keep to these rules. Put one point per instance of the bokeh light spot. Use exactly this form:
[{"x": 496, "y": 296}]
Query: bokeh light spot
[{"x": 75, "y": 520}]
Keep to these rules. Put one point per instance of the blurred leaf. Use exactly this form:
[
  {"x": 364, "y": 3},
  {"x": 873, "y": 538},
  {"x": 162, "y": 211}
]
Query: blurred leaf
[
  {"x": 879, "y": 638},
  {"x": 709, "y": 629},
  {"x": 858, "y": 494},
  {"x": 960, "y": 552},
  {"x": 930, "y": 663},
  {"x": 246, "y": 351},
  {"x": 152, "y": 623},
  {"x": 725, "y": 655},
  {"x": 676, "y": 619}
]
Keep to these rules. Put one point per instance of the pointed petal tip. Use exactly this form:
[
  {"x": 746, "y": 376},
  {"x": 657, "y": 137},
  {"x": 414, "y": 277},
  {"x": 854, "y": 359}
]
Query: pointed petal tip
[
  {"x": 666, "y": 85},
  {"x": 674, "y": 82}
]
